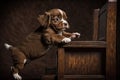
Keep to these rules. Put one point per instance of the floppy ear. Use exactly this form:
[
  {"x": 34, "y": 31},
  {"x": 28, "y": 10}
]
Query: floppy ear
[
  {"x": 45, "y": 19},
  {"x": 64, "y": 15}
]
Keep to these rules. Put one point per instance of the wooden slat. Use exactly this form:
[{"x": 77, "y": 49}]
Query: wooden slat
[
  {"x": 111, "y": 42},
  {"x": 95, "y": 24},
  {"x": 60, "y": 63},
  {"x": 86, "y": 44},
  {"x": 84, "y": 76}
]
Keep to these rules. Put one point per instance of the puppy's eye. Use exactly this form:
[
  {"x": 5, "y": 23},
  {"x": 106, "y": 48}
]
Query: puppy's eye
[{"x": 56, "y": 19}]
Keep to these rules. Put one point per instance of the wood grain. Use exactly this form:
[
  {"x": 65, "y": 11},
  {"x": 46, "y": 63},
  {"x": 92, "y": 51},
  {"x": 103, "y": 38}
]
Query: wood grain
[
  {"x": 87, "y": 61},
  {"x": 95, "y": 24},
  {"x": 111, "y": 42},
  {"x": 86, "y": 44},
  {"x": 60, "y": 63}
]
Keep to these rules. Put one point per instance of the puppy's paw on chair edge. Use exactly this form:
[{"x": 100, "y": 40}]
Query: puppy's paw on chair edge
[
  {"x": 66, "y": 40},
  {"x": 76, "y": 35}
]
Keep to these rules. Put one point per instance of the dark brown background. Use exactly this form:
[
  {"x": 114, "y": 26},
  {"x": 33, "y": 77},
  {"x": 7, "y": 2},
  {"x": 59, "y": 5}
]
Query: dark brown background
[
  {"x": 18, "y": 18},
  {"x": 118, "y": 40}
]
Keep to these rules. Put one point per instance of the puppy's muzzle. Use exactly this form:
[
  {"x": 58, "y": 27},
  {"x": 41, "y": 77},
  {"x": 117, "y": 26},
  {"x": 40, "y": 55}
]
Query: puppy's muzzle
[{"x": 65, "y": 24}]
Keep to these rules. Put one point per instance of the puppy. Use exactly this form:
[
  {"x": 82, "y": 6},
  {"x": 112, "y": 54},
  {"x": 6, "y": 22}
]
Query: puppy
[{"x": 53, "y": 24}]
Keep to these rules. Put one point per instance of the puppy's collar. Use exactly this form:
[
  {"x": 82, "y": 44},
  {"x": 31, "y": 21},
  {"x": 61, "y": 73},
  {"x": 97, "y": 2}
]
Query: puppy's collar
[
  {"x": 57, "y": 31},
  {"x": 60, "y": 33},
  {"x": 53, "y": 27}
]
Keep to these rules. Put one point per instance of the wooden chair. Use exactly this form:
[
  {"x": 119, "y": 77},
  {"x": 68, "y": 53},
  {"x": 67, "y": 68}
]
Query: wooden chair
[{"x": 92, "y": 60}]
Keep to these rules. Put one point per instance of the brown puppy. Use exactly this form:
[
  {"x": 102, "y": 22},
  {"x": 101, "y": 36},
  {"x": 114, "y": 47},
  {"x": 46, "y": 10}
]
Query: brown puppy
[{"x": 35, "y": 45}]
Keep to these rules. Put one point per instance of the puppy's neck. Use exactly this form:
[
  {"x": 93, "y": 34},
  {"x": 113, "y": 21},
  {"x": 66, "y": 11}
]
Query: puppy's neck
[
  {"x": 60, "y": 33},
  {"x": 56, "y": 31}
]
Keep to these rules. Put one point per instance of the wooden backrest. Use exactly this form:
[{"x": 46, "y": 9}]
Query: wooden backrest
[{"x": 100, "y": 23}]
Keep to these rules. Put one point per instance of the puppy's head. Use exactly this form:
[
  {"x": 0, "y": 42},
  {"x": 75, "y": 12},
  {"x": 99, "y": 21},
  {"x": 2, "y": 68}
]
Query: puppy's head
[{"x": 55, "y": 18}]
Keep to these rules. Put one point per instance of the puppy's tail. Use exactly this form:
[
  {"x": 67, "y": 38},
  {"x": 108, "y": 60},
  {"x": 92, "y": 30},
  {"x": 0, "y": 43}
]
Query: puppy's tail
[{"x": 7, "y": 46}]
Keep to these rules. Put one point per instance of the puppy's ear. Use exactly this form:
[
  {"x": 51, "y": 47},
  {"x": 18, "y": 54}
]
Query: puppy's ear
[
  {"x": 45, "y": 19},
  {"x": 64, "y": 15}
]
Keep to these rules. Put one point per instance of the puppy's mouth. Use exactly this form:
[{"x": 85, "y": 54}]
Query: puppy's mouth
[
  {"x": 65, "y": 24},
  {"x": 62, "y": 26}
]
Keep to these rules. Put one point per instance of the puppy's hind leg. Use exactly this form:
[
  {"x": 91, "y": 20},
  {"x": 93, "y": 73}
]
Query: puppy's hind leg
[
  {"x": 15, "y": 75},
  {"x": 19, "y": 60},
  {"x": 15, "y": 69}
]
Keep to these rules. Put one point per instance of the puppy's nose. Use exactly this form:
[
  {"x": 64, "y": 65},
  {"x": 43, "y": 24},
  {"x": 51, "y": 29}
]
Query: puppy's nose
[{"x": 65, "y": 24}]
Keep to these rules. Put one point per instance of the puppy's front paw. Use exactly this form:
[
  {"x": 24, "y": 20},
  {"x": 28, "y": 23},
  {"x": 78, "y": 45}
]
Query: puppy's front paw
[
  {"x": 66, "y": 40},
  {"x": 76, "y": 34},
  {"x": 17, "y": 76}
]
